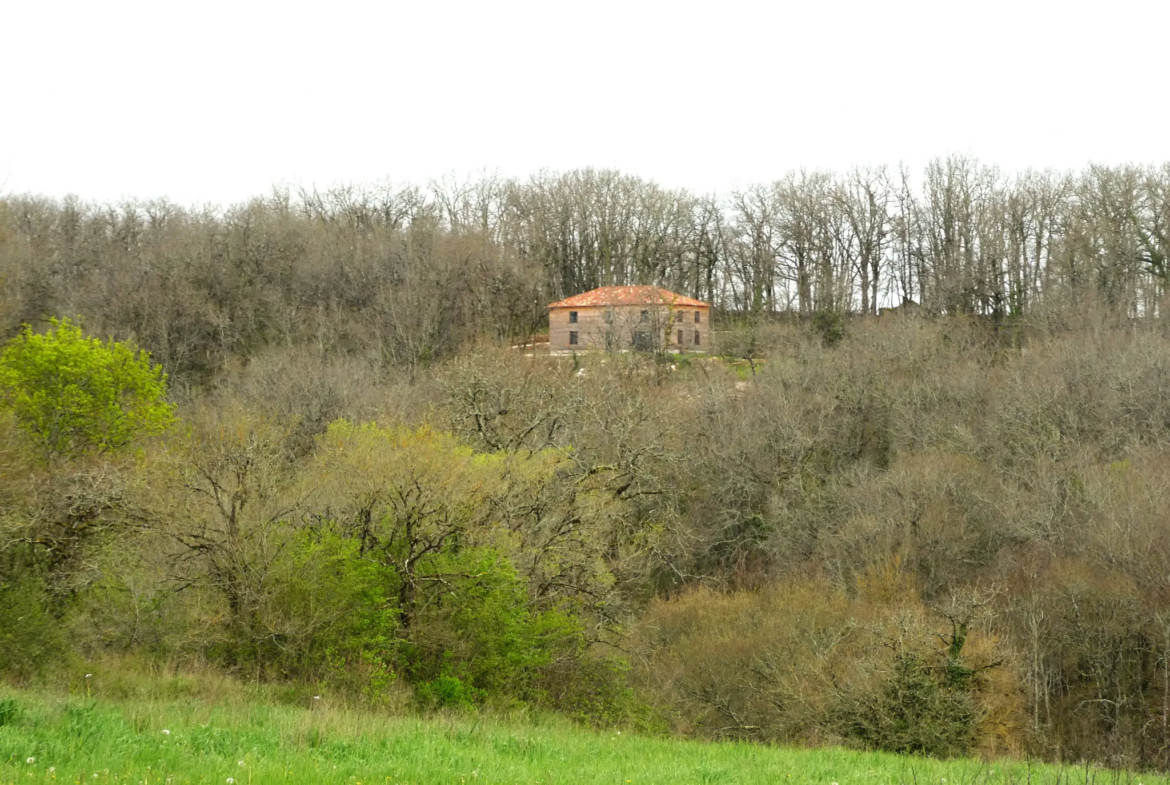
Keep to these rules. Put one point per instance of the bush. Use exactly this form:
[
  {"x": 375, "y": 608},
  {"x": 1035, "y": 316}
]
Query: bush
[
  {"x": 74, "y": 394},
  {"x": 830, "y": 326},
  {"x": 799, "y": 661},
  {"x": 448, "y": 692},
  {"x": 756, "y": 665},
  {"x": 31, "y": 637},
  {"x": 917, "y": 711},
  {"x": 482, "y": 627}
]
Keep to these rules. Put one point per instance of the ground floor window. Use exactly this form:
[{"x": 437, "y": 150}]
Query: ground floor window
[
  {"x": 697, "y": 338},
  {"x": 572, "y": 338},
  {"x": 680, "y": 338}
]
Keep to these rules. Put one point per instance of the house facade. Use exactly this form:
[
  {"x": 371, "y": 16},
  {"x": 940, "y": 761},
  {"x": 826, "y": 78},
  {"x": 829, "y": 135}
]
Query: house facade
[{"x": 625, "y": 318}]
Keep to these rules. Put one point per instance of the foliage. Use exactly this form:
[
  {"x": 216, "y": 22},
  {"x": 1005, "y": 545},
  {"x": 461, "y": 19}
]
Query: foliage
[
  {"x": 73, "y": 394},
  {"x": 789, "y": 554},
  {"x": 482, "y": 627},
  {"x": 31, "y": 637},
  {"x": 390, "y": 553},
  {"x": 773, "y": 551},
  {"x": 448, "y": 692},
  {"x": 830, "y": 326},
  {"x": 448, "y": 527},
  {"x": 799, "y": 662},
  {"x": 916, "y": 712}
]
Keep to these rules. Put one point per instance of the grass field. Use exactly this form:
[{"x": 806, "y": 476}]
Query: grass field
[{"x": 47, "y": 737}]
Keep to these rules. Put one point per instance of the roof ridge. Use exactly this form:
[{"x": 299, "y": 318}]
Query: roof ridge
[{"x": 630, "y": 294}]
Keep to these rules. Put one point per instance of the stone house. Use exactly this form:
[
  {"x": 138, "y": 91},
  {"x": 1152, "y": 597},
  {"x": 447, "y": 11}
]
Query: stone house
[{"x": 621, "y": 318}]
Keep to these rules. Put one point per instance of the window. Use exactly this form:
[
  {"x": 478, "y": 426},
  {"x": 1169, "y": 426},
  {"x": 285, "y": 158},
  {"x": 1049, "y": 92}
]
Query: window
[
  {"x": 572, "y": 317},
  {"x": 609, "y": 315},
  {"x": 698, "y": 319},
  {"x": 573, "y": 338},
  {"x": 680, "y": 338},
  {"x": 678, "y": 316},
  {"x": 696, "y": 337},
  {"x": 645, "y": 316}
]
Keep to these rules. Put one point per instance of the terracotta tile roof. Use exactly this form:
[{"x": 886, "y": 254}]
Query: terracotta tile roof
[{"x": 628, "y": 295}]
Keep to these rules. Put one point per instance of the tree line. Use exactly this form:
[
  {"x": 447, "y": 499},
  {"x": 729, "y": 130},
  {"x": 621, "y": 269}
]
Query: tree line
[{"x": 410, "y": 273}]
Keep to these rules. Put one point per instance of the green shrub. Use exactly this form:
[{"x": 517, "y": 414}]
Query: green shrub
[
  {"x": 830, "y": 326},
  {"x": 448, "y": 692},
  {"x": 72, "y": 394},
  {"x": 30, "y": 636},
  {"x": 920, "y": 710},
  {"x": 596, "y": 690},
  {"x": 319, "y": 612},
  {"x": 482, "y": 626}
]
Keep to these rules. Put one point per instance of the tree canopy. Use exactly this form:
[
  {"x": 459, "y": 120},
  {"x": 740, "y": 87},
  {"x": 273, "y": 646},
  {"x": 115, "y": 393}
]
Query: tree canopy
[{"x": 72, "y": 393}]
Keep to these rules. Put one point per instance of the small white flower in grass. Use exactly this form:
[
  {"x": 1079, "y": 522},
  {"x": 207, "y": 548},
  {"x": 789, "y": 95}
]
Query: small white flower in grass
[
  {"x": 241, "y": 763},
  {"x": 230, "y": 780},
  {"x": 166, "y": 732},
  {"x": 316, "y": 697},
  {"x": 31, "y": 761},
  {"x": 52, "y": 769}
]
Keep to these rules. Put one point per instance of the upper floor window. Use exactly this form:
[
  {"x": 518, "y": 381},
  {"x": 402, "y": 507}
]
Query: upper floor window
[
  {"x": 678, "y": 315},
  {"x": 645, "y": 316},
  {"x": 698, "y": 317},
  {"x": 572, "y": 317},
  {"x": 609, "y": 315}
]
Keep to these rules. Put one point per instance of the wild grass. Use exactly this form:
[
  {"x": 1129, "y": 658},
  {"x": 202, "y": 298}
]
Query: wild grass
[{"x": 52, "y": 737}]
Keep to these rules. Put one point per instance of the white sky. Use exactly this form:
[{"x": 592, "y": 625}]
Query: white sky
[{"x": 216, "y": 101}]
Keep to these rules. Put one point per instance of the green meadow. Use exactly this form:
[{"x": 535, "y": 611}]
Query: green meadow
[{"x": 50, "y": 737}]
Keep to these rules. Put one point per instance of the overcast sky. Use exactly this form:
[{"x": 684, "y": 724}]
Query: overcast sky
[{"x": 217, "y": 101}]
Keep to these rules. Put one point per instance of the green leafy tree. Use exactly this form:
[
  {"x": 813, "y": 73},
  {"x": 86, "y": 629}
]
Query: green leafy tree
[{"x": 74, "y": 394}]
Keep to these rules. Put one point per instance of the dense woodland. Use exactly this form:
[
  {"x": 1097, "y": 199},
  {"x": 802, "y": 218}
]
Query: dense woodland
[{"x": 938, "y": 530}]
